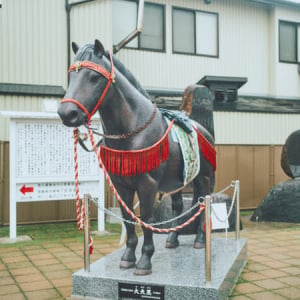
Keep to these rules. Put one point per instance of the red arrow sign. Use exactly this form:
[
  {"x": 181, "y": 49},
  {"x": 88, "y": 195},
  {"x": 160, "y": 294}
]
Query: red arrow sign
[{"x": 26, "y": 189}]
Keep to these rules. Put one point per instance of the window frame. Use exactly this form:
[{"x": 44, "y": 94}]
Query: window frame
[
  {"x": 163, "y": 8},
  {"x": 195, "y": 32},
  {"x": 297, "y": 26}
]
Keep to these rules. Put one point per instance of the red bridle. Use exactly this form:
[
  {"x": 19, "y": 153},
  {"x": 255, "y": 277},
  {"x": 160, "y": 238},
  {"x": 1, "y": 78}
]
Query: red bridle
[{"x": 110, "y": 76}]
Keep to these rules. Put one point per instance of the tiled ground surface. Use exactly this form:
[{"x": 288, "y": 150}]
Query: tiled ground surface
[{"x": 44, "y": 271}]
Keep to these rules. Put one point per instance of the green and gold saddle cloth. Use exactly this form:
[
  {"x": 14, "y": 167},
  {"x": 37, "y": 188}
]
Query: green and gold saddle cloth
[{"x": 190, "y": 151}]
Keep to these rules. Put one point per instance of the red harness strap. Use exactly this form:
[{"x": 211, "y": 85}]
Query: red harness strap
[{"x": 110, "y": 76}]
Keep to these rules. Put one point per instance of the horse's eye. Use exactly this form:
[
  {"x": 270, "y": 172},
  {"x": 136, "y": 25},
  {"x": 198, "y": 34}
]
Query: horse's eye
[{"x": 94, "y": 77}]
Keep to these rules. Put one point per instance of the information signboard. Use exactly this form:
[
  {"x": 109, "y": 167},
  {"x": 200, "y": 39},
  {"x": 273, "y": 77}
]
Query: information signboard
[{"x": 42, "y": 163}]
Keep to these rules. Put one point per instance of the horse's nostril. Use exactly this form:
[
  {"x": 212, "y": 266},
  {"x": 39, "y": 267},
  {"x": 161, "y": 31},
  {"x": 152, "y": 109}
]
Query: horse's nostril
[
  {"x": 73, "y": 116},
  {"x": 69, "y": 115}
]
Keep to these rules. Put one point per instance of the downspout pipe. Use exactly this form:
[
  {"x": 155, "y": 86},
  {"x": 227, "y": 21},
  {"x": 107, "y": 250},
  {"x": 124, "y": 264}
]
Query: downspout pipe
[{"x": 133, "y": 34}]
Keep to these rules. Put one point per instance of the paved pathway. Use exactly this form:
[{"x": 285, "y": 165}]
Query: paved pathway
[{"x": 44, "y": 271}]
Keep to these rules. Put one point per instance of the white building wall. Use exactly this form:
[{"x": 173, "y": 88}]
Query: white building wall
[
  {"x": 16, "y": 103},
  {"x": 287, "y": 77},
  {"x": 90, "y": 21},
  {"x": 240, "y": 128},
  {"x": 243, "y": 49},
  {"x": 33, "y": 42}
]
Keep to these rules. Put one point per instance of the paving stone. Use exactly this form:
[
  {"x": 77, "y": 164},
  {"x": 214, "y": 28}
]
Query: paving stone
[
  {"x": 258, "y": 258},
  {"x": 276, "y": 264},
  {"x": 267, "y": 296},
  {"x": 41, "y": 256},
  {"x": 290, "y": 280},
  {"x": 273, "y": 273},
  {"x": 257, "y": 267},
  {"x": 55, "y": 275},
  {"x": 279, "y": 256},
  {"x": 76, "y": 266},
  {"x": 4, "y": 250},
  {"x": 293, "y": 261},
  {"x": 19, "y": 265},
  {"x": 246, "y": 288},
  {"x": 18, "y": 296},
  {"x": 54, "y": 267},
  {"x": 66, "y": 291},
  {"x": 62, "y": 282},
  {"x": 295, "y": 253},
  {"x": 25, "y": 271},
  {"x": 289, "y": 292},
  {"x": 270, "y": 284},
  {"x": 14, "y": 259},
  {"x": 253, "y": 276},
  {"x": 8, "y": 289},
  {"x": 44, "y": 262},
  {"x": 9, "y": 252},
  {"x": 6, "y": 281},
  {"x": 35, "y": 286},
  {"x": 292, "y": 270},
  {"x": 32, "y": 252},
  {"x": 52, "y": 245},
  {"x": 29, "y": 278},
  {"x": 4, "y": 274},
  {"x": 43, "y": 294}
]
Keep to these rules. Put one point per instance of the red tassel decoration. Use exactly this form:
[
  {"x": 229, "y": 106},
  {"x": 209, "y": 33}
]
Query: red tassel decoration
[
  {"x": 206, "y": 148},
  {"x": 133, "y": 162}
]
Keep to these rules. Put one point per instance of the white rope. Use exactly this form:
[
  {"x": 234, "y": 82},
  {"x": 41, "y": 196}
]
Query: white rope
[{"x": 108, "y": 212}]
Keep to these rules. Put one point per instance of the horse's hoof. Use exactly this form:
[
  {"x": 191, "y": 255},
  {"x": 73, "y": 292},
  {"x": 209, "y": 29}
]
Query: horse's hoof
[
  {"x": 142, "y": 272},
  {"x": 170, "y": 245},
  {"x": 198, "y": 245},
  {"x": 125, "y": 264}
]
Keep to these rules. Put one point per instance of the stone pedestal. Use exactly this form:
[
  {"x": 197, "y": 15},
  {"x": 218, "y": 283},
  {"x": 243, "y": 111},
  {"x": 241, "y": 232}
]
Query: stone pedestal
[{"x": 176, "y": 273}]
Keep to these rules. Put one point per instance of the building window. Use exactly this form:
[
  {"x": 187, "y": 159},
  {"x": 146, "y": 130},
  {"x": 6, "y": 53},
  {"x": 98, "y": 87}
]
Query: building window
[
  {"x": 289, "y": 42},
  {"x": 124, "y": 22},
  {"x": 195, "y": 32}
]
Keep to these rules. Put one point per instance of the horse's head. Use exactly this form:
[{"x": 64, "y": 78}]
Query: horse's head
[{"x": 90, "y": 77}]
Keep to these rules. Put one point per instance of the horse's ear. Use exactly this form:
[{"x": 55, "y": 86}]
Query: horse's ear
[
  {"x": 98, "y": 48},
  {"x": 75, "y": 47}
]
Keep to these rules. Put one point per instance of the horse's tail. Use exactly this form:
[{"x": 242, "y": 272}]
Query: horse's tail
[{"x": 197, "y": 103}]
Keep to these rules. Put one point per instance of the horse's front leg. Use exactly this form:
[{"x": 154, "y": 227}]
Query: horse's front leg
[
  {"x": 147, "y": 190},
  {"x": 128, "y": 259}
]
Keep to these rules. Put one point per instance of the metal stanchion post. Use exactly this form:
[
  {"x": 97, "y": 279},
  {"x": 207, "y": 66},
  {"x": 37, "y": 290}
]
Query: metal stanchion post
[
  {"x": 86, "y": 199},
  {"x": 237, "y": 221},
  {"x": 208, "y": 239}
]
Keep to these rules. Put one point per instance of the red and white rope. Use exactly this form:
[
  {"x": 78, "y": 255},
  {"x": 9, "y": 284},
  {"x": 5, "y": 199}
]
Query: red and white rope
[
  {"x": 79, "y": 210},
  {"x": 118, "y": 197}
]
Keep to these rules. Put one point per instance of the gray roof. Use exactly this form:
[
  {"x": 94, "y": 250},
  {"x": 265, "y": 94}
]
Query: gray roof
[{"x": 31, "y": 89}]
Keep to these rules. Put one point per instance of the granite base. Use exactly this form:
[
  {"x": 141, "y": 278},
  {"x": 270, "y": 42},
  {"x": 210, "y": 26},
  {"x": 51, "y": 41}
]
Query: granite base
[{"x": 179, "y": 272}]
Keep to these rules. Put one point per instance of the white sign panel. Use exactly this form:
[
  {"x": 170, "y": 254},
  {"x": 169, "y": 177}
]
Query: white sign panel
[
  {"x": 219, "y": 216},
  {"x": 54, "y": 191},
  {"x": 42, "y": 163}
]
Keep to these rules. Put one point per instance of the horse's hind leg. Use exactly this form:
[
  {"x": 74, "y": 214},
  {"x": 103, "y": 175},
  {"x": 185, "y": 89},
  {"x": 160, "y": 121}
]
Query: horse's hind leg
[
  {"x": 177, "y": 207},
  {"x": 128, "y": 259},
  {"x": 201, "y": 187}
]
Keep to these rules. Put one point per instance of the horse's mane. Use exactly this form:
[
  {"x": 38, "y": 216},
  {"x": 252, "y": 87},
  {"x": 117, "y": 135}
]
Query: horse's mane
[
  {"x": 130, "y": 77},
  {"x": 86, "y": 52}
]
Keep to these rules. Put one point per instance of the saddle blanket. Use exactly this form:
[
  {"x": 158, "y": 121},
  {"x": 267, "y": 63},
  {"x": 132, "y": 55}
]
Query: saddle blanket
[{"x": 190, "y": 151}]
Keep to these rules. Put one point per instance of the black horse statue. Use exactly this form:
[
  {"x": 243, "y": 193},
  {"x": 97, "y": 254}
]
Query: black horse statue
[{"x": 137, "y": 149}]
